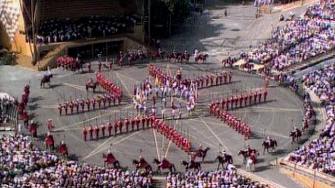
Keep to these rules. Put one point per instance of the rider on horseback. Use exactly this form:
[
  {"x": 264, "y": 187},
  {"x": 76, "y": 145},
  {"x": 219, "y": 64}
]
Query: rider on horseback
[
  {"x": 89, "y": 82},
  {"x": 163, "y": 163},
  {"x": 268, "y": 140},
  {"x": 48, "y": 72},
  {"x": 223, "y": 153}
]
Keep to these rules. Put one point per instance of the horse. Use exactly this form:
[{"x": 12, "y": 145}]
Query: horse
[
  {"x": 201, "y": 57},
  {"x": 92, "y": 85},
  {"x": 46, "y": 79},
  {"x": 156, "y": 54},
  {"x": 226, "y": 159},
  {"x": 246, "y": 154},
  {"x": 49, "y": 143},
  {"x": 63, "y": 150},
  {"x": 192, "y": 164},
  {"x": 110, "y": 159},
  {"x": 266, "y": 145},
  {"x": 165, "y": 164},
  {"x": 142, "y": 164},
  {"x": 200, "y": 153},
  {"x": 295, "y": 134},
  {"x": 182, "y": 57},
  {"x": 173, "y": 56}
]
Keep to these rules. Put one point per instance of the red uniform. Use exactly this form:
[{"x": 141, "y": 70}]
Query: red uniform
[
  {"x": 259, "y": 96},
  {"x": 133, "y": 120},
  {"x": 138, "y": 121},
  {"x": 103, "y": 128},
  {"x": 250, "y": 98},
  {"x": 115, "y": 127},
  {"x": 90, "y": 129},
  {"x": 265, "y": 92},
  {"x": 85, "y": 134},
  {"x": 97, "y": 130},
  {"x": 120, "y": 124},
  {"x": 240, "y": 98},
  {"x": 245, "y": 99},
  {"x": 110, "y": 127},
  {"x": 60, "y": 109},
  {"x": 126, "y": 122}
]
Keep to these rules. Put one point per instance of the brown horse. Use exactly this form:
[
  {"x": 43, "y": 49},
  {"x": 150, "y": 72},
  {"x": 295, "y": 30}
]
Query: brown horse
[
  {"x": 110, "y": 159},
  {"x": 182, "y": 57},
  {"x": 142, "y": 164},
  {"x": 173, "y": 56},
  {"x": 246, "y": 153},
  {"x": 224, "y": 159},
  {"x": 202, "y": 58},
  {"x": 46, "y": 79},
  {"x": 191, "y": 165},
  {"x": 49, "y": 143},
  {"x": 164, "y": 164},
  {"x": 200, "y": 153},
  {"x": 267, "y": 146},
  {"x": 295, "y": 135},
  {"x": 92, "y": 85},
  {"x": 156, "y": 54},
  {"x": 63, "y": 150}
]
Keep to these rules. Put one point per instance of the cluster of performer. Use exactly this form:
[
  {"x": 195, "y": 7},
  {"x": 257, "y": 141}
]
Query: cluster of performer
[
  {"x": 220, "y": 108},
  {"x": 118, "y": 127},
  {"x": 239, "y": 100},
  {"x": 23, "y": 115},
  {"x": 168, "y": 86},
  {"x": 67, "y": 62},
  {"x": 213, "y": 79},
  {"x": 109, "y": 86},
  {"x": 172, "y": 134},
  {"x": 84, "y": 105},
  {"x": 235, "y": 123}
]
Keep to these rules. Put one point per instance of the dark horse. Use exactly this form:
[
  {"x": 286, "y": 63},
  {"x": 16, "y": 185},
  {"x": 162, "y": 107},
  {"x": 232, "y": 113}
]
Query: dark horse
[
  {"x": 110, "y": 159},
  {"x": 165, "y": 164},
  {"x": 224, "y": 159},
  {"x": 267, "y": 146},
  {"x": 192, "y": 164},
  {"x": 92, "y": 85},
  {"x": 200, "y": 153},
  {"x": 295, "y": 134},
  {"x": 201, "y": 57},
  {"x": 246, "y": 154},
  {"x": 46, "y": 79},
  {"x": 142, "y": 164}
]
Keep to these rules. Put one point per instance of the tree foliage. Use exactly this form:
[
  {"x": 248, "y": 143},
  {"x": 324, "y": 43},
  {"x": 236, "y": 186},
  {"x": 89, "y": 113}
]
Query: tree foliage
[{"x": 161, "y": 10}]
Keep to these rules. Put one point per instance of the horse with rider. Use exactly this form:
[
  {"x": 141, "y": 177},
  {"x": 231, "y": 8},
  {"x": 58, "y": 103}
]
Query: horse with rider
[
  {"x": 269, "y": 143},
  {"x": 110, "y": 159},
  {"x": 164, "y": 164},
  {"x": 46, "y": 78}
]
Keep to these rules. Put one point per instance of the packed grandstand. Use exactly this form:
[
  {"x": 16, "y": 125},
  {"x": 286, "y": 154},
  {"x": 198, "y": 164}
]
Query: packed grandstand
[{"x": 22, "y": 164}]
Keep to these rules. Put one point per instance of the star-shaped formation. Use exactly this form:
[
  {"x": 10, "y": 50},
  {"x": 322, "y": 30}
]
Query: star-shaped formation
[{"x": 9, "y": 16}]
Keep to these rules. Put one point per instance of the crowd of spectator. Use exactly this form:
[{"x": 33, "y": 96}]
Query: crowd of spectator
[
  {"x": 320, "y": 153},
  {"x": 56, "y": 30},
  {"x": 299, "y": 40},
  {"x": 24, "y": 165},
  {"x": 218, "y": 178}
]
